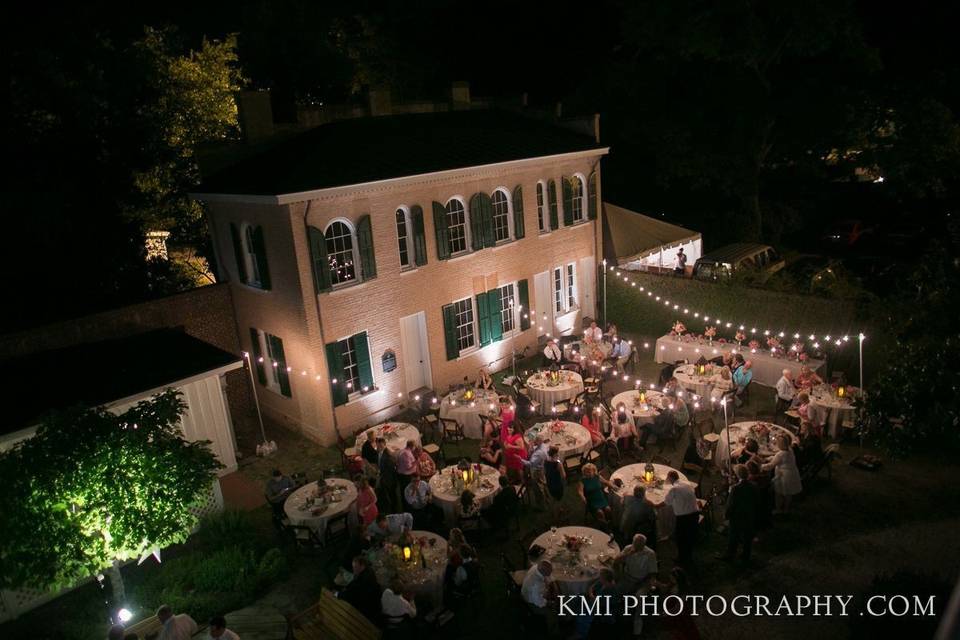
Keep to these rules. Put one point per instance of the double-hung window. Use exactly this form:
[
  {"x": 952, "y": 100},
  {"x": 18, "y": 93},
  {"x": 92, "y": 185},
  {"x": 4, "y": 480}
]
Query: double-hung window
[
  {"x": 541, "y": 222},
  {"x": 456, "y": 227},
  {"x": 465, "y": 326},
  {"x": 508, "y": 308},
  {"x": 558, "y": 291},
  {"x": 571, "y": 286},
  {"x": 250, "y": 257},
  {"x": 403, "y": 239},
  {"x": 576, "y": 199},
  {"x": 501, "y": 216},
  {"x": 340, "y": 253}
]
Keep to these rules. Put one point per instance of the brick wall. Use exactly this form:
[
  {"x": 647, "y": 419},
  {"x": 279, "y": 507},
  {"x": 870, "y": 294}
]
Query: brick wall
[{"x": 306, "y": 322}]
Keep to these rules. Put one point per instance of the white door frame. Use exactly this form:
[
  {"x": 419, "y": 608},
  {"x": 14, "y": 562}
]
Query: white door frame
[{"x": 415, "y": 345}]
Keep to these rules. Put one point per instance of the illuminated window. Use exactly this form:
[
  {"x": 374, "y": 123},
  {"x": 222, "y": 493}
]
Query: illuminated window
[{"x": 340, "y": 252}]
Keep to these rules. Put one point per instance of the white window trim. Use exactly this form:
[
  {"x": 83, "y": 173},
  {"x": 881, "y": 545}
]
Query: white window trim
[
  {"x": 354, "y": 250},
  {"x": 511, "y": 234},
  {"x": 476, "y": 337},
  {"x": 249, "y": 257},
  {"x": 516, "y": 311},
  {"x": 411, "y": 250},
  {"x": 542, "y": 184},
  {"x": 563, "y": 291},
  {"x": 270, "y": 371},
  {"x": 583, "y": 200},
  {"x": 468, "y": 239},
  {"x": 357, "y": 394},
  {"x": 571, "y": 283}
]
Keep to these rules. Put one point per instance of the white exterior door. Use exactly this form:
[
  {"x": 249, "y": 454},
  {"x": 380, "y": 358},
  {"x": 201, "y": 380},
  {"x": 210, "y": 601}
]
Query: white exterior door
[
  {"x": 543, "y": 297},
  {"x": 588, "y": 287},
  {"x": 416, "y": 351}
]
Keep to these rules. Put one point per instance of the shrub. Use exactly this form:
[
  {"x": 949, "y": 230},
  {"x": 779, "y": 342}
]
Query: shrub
[{"x": 230, "y": 527}]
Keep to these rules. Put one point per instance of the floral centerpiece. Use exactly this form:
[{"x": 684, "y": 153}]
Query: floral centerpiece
[
  {"x": 773, "y": 343},
  {"x": 754, "y": 345},
  {"x": 557, "y": 426},
  {"x": 709, "y": 333},
  {"x": 574, "y": 543},
  {"x": 678, "y": 329},
  {"x": 740, "y": 337},
  {"x": 802, "y": 357},
  {"x": 797, "y": 349},
  {"x": 389, "y": 431}
]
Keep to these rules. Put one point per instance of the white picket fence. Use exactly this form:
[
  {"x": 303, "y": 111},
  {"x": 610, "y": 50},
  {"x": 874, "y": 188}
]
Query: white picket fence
[{"x": 18, "y": 602}]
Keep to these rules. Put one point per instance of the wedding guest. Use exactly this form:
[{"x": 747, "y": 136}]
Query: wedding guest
[
  {"x": 612, "y": 332},
  {"x": 218, "y": 629},
  {"x": 593, "y": 334},
  {"x": 721, "y": 383},
  {"x": 426, "y": 467},
  {"x": 467, "y": 509},
  {"x": 748, "y": 449},
  {"x": 175, "y": 627},
  {"x": 407, "y": 464},
  {"x": 682, "y": 499},
  {"x": 515, "y": 452},
  {"x": 534, "y": 465},
  {"x": 606, "y": 589},
  {"x": 591, "y": 422},
  {"x": 556, "y": 478},
  {"x": 552, "y": 355},
  {"x": 785, "y": 392},
  {"x": 638, "y": 565},
  {"x": 363, "y": 592},
  {"x": 591, "y": 492},
  {"x": 455, "y": 540},
  {"x": 639, "y": 516},
  {"x": 681, "y": 262},
  {"x": 419, "y": 499},
  {"x": 625, "y": 431},
  {"x": 484, "y": 379},
  {"x": 397, "y": 604},
  {"x": 742, "y": 378},
  {"x": 741, "y": 512},
  {"x": 492, "y": 453},
  {"x": 366, "y": 503},
  {"x": 620, "y": 354},
  {"x": 786, "y": 475},
  {"x": 801, "y": 404},
  {"x": 810, "y": 451},
  {"x": 505, "y": 504},
  {"x": 807, "y": 379},
  {"x": 539, "y": 591},
  {"x": 387, "y": 478},
  {"x": 386, "y": 526},
  {"x": 663, "y": 425}
]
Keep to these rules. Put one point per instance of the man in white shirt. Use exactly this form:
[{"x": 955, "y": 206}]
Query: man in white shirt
[
  {"x": 219, "y": 631},
  {"x": 538, "y": 591},
  {"x": 419, "y": 498},
  {"x": 389, "y": 525},
  {"x": 552, "y": 354},
  {"x": 593, "y": 333},
  {"x": 785, "y": 392},
  {"x": 682, "y": 499},
  {"x": 639, "y": 565},
  {"x": 397, "y": 605},
  {"x": 175, "y": 627}
]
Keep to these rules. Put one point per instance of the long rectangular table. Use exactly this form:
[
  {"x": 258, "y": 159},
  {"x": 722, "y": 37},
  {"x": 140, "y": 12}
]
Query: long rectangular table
[{"x": 766, "y": 368}]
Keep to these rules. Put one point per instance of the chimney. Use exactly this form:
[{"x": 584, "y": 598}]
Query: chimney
[
  {"x": 255, "y": 115},
  {"x": 460, "y": 95},
  {"x": 380, "y": 101}
]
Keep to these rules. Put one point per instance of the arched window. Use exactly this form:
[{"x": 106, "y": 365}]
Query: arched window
[
  {"x": 501, "y": 216},
  {"x": 404, "y": 236},
  {"x": 576, "y": 198},
  {"x": 340, "y": 252},
  {"x": 456, "y": 227},
  {"x": 541, "y": 214},
  {"x": 250, "y": 259}
]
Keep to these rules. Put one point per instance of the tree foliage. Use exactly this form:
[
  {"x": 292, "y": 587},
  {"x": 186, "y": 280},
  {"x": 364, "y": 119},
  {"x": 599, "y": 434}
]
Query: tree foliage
[{"x": 92, "y": 487}]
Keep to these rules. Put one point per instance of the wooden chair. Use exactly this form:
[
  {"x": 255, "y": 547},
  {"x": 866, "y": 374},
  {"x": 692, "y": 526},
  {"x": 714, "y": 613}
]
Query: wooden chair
[
  {"x": 146, "y": 629},
  {"x": 299, "y": 479},
  {"x": 451, "y": 429},
  {"x": 337, "y": 529},
  {"x": 572, "y": 465},
  {"x": 304, "y": 537},
  {"x": 332, "y": 619}
]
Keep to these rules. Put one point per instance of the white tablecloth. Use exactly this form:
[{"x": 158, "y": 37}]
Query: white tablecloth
[
  {"x": 397, "y": 436},
  {"x": 467, "y": 413},
  {"x": 628, "y": 474},
  {"x": 766, "y": 368},
  {"x": 426, "y": 582},
  {"x": 573, "y": 440},
  {"x": 743, "y": 430},
  {"x": 640, "y": 414},
  {"x": 690, "y": 380},
  {"x": 570, "y": 385},
  {"x": 300, "y": 514},
  {"x": 827, "y": 409},
  {"x": 575, "y": 571},
  {"x": 446, "y": 495},
  {"x": 596, "y": 353}
]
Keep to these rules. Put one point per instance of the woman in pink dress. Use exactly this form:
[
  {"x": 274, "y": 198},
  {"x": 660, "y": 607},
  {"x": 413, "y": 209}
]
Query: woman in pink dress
[
  {"x": 515, "y": 452},
  {"x": 366, "y": 502},
  {"x": 507, "y": 416},
  {"x": 591, "y": 422}
]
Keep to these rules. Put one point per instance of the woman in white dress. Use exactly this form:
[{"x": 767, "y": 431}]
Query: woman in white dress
[
  {"x": 722, "y": 382},
  {"x": 786, "y": 475}
]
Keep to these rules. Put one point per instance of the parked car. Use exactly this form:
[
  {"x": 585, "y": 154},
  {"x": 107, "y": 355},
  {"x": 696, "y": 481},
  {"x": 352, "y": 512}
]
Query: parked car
[{"x": 749, "y": 257}]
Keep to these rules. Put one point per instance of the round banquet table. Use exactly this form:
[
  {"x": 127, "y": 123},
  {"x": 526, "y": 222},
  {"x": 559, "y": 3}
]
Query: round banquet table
[
  {"x": 572, "y": 440},
  {"x": 641, "y": 414},
  {"x": 467, "y": 413},
  {"x": 396, "y": 434},
  {"x": 632, "y": 474},
  {"x": 446, "y": 496},
  {"x": 690, "y": 380},
  {"x": 827, "y": 409},
  {"x": 571, "y": 384},
  {"x": 300, "y": 514},
  {"x": 577, "y": 351},
  {"x": 426, "y": 582},
  {"x": 721, "y": 455},
  {"x": 575, "y": 571}
]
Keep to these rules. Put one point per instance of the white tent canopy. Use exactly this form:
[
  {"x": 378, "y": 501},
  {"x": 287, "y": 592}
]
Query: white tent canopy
[{"x": 642, "y": 243}]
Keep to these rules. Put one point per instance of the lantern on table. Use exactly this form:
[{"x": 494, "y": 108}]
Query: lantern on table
[
  {"x": 701, "y": 369},
  {"x": 841, "y": 392},
  {"x": 407, "y": 553},
  {"x": 643, "y": 398},
  {"x": 468, "y": 394},
  {"x": 649, "y": 472}
]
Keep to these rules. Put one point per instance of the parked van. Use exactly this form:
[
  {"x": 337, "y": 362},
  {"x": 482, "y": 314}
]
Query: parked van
[{"x": 722, "y": 262}]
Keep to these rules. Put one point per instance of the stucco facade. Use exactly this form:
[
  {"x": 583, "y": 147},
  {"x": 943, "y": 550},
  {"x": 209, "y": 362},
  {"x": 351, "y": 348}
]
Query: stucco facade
[{"x": 307, "y": 321}]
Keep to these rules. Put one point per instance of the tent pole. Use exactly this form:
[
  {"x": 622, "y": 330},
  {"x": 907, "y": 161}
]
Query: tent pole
[{"x": 605, "y": 321}]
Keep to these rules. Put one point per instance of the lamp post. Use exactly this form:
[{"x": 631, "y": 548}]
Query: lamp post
[
  {"x": 860, "y": 339},
  {"x": 605, "y": 291}
]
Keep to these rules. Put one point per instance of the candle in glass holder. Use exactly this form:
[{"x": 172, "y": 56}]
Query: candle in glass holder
[
  {"x": 649, "y": 472},
  {"x": 407, "y": 553}
]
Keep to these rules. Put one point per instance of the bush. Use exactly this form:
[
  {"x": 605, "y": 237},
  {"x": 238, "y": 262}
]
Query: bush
[{"x": 230, "y": 527}]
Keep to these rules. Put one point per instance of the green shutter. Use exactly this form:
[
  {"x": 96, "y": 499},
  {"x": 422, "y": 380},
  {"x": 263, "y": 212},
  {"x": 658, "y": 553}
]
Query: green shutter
[
  {"x": 368, "y": 262},
  {"x": 518, "y": 228},
  {"x": 483, "y": 317},
  {"x": 283, "y": 376},
  {"x": 318, "y": 259},
  {"x": 567, "y": 202},
  {"x": 338, "y": 390},
  {"x": 552, "y": 199},
  {"x": 523, "y": 295},
  {"x": 592, "y": 196},
  {"x": 238, "y": 252},
  {"x": 450, "y": 331},
  {"x": 481, "y": 222},
  {"x": 260, "y": 250},
  {"x": 440, "y": 228},
  {"x": 493, "y": 309},
  {"x": 362, "y": 354},
  {"x": 419, "y": 239},
  {"x": 257, "y": 354}
]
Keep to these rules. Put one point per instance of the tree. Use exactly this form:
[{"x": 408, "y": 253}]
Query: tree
[{"x": 93, "y": 488}]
